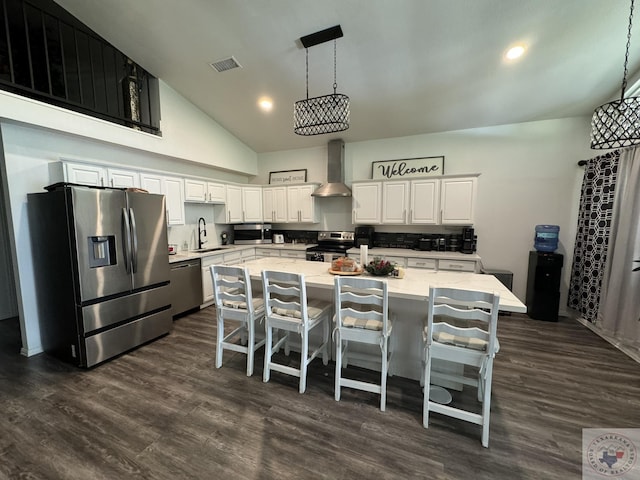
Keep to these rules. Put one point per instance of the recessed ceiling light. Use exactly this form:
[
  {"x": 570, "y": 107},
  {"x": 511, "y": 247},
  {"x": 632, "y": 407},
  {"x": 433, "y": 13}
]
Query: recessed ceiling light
[
  {"x": 265, "y": 104},
  {"x": 515, "y": 52}
]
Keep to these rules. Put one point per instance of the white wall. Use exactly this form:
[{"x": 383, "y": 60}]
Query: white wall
[
  {"x": 188, "y": 133},
  {"x": 529, "y": 176},
  {"x": 35, "y": 134}
]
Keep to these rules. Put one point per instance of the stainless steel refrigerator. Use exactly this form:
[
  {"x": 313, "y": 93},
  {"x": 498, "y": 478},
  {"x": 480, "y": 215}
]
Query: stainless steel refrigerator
[{"x": 102, "y": 270}]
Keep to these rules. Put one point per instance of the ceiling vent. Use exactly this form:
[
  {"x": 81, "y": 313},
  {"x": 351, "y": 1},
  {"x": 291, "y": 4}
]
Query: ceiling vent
[{"x": 225, "y": 64}]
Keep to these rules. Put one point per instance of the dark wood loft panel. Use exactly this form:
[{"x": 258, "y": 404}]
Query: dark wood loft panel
[{"x": 47, "y": 54}]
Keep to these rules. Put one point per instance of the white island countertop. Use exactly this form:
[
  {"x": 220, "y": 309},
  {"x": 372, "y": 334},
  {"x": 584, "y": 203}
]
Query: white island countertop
[{"x": 414, "y": 286}]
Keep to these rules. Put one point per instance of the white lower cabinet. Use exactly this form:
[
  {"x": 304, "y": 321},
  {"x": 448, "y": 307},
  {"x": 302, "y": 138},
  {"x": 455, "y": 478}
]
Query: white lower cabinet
[
  {"x": 427, "y": 263},
  {"x": 302, "y": 255},
  {"x": 457, "y": 265},
  {"x": 267, "y": 252},
  {"x": 207, "y": 282}
]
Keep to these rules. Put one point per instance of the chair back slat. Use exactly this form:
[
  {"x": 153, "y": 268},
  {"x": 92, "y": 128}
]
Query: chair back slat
[
  {"x": 361, "y": 298},
  {"x": 464, "y": 305},
  {"x": 231, "y": 285},
  {"x": 285, "y": 292}
]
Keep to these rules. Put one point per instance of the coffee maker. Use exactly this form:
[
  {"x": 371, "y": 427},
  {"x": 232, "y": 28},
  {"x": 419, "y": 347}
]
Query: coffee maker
[
  {"x": 364, "y": 236},
  {"x": 468, "y": 240}
]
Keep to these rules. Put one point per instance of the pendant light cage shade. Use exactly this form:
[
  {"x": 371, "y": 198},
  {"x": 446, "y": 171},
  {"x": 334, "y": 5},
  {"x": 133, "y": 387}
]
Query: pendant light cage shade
[
  {"x": 328, "y": 113},
  {"x": 616, "y": 124},
  {"x": 320, "y": 115}
]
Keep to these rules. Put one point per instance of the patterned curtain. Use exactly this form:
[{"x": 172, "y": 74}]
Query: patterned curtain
[{"x": 592, "y": 237}]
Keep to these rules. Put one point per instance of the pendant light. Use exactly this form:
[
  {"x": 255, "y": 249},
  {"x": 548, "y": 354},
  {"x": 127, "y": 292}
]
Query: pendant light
[
  {"x": 617, "y": 124},
  {"x": 328, "y": 113}
]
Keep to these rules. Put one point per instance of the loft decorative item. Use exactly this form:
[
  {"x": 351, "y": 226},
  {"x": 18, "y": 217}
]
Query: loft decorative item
[
  {"x": 617, "y": 124},
  {"x": 328, "y": 113}
]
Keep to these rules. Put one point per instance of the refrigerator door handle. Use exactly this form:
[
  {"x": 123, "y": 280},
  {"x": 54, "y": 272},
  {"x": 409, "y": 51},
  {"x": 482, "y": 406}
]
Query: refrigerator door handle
[
  {"x": 126, "y": 240},
  {"x": 134, "y": 237}
]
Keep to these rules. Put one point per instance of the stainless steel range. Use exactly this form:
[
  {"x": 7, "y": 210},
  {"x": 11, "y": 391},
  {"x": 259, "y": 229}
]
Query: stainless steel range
[{"x": 331, "y": 245}]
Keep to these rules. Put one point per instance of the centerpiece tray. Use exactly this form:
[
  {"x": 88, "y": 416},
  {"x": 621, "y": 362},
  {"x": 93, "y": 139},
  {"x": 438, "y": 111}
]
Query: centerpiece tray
[{"x": 339, "y": 272}]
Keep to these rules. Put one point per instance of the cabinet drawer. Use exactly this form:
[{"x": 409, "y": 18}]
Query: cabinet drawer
[
  {"x": 457, "y": 265},
  {"x": 267, "y": 252},
  {"x": 232, "y": 257},
  {"x": 293, "y": 254},
  {"x": 428, "y": 263},
  {"x": 211, "y": 260},
  {"x": 248, "y": 254},
  {"x": 399, "y": 261}
]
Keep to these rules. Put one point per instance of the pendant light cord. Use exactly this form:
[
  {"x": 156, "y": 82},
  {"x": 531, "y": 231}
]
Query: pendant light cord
[
  {"x": 626, "y": 55},
  {"x": 307, "y": 73},
  {"x": 335, "y": 83}
]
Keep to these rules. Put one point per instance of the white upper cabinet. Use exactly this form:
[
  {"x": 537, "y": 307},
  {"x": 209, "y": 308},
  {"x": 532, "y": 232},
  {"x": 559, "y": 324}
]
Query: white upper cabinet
[
  {"x": 195, "y": 190},
  {"x": 234, "y": 204},
  {"x": 395, "y": 200},
  {"x": 123, "y": 178},
  {"x": 428, "y": 201},
  {"x": 82, "y": 174},
  {"x": 252, "y": 204},
  {"x": 274, "y": 204},
  {"x": 301, "y": 206},
  {"x": 173, "y": 190},
  {"x": 457, "y": 200},
  {"x": 366, "y": 201},
  {"x": 216, "y": 192},
  {"x": 424, "y": 205},
  {"x": 243, "y": 205}
]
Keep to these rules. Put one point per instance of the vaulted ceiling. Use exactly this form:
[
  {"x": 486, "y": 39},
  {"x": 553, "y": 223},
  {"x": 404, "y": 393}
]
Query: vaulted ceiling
[{"x": 408, "y": 66}]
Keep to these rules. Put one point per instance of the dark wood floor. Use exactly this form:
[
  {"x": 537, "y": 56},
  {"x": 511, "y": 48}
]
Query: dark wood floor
[{"x": 165, "y": 412}]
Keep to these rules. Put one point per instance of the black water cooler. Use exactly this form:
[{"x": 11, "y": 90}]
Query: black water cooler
[{"x": 543, "y": 285}]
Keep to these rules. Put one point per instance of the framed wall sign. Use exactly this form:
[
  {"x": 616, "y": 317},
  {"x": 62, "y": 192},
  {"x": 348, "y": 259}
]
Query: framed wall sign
[
  {"x": 407, "y": 168},
  {"x": 285, "y": 177}
]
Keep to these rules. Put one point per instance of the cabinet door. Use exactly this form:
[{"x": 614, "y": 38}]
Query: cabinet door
[
  {"x": 274, "y": 204},
  {"x": 173, "y": 188},
  {"x": 207, "y": 286},
  {"x": 123, "y": 178},
  {"x": 395, "y": 198},
  {"x": 424, "y": 205},
  {"x": 216, "y": 192},
  {"x": 234, "y": 204},
  {"x": 366, "y": 202},
  {"x": 195, "y": 190},
  {"x": 307, "y": 203},
  {"x": 252, "y": 204},
  {"x": 457, "y": 200},
  {"x": 86, "y": 174},
  {"x": 151, "y": 183}
]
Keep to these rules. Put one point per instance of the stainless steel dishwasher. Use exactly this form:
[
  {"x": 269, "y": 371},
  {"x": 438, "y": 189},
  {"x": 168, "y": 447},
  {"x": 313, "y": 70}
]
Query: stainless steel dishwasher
[{"x": 186, "y": 285}]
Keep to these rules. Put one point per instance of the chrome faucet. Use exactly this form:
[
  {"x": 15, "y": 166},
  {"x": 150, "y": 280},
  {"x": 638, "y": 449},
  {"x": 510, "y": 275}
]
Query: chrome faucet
[{"x": 201, "y": 232}]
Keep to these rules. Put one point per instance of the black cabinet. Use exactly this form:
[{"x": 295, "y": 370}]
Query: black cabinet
[{"x": 543, "y": 285}]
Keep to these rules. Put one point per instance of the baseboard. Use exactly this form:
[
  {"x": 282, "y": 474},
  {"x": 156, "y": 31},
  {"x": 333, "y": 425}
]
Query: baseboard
[
  {"x": 630, "y": 352},
  {"x": 31, "y": 351}
]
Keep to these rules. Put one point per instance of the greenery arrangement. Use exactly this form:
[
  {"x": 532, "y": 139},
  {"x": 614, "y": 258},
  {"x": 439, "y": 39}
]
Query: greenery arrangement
[{"x": 380, "y": 267}]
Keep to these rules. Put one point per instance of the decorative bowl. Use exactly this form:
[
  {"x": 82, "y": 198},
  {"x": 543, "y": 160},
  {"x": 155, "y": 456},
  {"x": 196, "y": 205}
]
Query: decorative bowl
[{"x": 380, "y": 267}]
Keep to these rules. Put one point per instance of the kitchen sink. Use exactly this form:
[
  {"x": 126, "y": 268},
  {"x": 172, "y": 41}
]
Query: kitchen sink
[{"x": 205, "y": 250}]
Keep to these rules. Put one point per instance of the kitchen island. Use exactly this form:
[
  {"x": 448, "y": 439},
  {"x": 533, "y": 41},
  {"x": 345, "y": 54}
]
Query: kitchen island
[{"x": 408, "y": 299}]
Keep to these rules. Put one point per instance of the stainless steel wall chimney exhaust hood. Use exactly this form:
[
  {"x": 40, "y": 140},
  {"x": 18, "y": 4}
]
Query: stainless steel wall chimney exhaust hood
[{"x": 335, "y": 186}]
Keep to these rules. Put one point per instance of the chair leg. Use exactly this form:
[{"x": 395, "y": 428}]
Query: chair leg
[
  {"x": 267, "y": 352},
  {"x": 427, "y": 382},
  {"x": 250, "y": 346},
  {"x": 383, "y": 376},
  {"x": 338, "y": 374},
  {"x": 486, "y": 405},
  {"x": 219, "y": 339},
  {"x": 304, "y": 355},
  {"x": 325, "y": 349}
]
